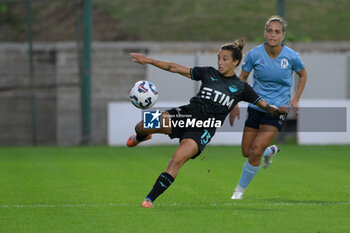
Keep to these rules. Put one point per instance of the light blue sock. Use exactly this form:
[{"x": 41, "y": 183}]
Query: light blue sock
[
  {"x": 248, "y": 174},
  {"x": 267, "y": 152}
]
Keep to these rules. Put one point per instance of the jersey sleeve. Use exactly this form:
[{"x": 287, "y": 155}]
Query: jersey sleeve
[
  {"x": 248, "y": 63},
  {"x": 249, "y": 95},
  {"x": 298, "y": 64},
  {"x": 197, "y": 73}
]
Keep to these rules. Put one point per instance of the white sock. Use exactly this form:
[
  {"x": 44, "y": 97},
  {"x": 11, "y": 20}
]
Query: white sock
[{"x": 240, "y": 188}]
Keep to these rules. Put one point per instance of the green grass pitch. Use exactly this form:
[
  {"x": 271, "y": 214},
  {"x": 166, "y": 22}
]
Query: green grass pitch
[{"x": 100, "y": 189}]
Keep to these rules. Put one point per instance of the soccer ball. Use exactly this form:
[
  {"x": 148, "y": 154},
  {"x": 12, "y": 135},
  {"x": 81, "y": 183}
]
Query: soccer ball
[{"x": 143, "y": 94}]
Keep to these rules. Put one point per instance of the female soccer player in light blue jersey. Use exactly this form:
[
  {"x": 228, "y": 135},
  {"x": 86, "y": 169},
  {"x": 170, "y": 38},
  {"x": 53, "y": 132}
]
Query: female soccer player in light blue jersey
[{"x": 273, "y": 64}]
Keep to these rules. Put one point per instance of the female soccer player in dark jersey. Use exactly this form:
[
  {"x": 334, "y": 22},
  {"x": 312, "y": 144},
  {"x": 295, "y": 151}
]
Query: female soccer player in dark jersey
[
  {"x": 273, "y": 64},
  {"x": 220, "y": 91}
]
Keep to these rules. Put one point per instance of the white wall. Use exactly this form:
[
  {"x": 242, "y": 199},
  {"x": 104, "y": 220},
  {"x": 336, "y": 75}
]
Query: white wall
[
  {"x": 327, "y": 75},
  {"x": 324, "y": 123}
]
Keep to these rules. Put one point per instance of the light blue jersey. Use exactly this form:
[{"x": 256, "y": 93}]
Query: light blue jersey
[{"x": 273, "y": 78}]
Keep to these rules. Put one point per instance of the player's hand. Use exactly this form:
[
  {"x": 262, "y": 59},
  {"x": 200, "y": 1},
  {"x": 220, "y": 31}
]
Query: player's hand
[
  {"x": 294, "y": 105},
  {"x": 140, "y": 58},
  {"x": 233, "y": 114},
  {"x": 284, "y": 110}
]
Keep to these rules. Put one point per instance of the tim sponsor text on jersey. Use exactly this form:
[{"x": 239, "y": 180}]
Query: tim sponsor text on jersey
[{"x": 219, "y": 97}]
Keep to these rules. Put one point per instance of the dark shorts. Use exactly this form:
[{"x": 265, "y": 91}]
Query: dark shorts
[
  {"x": 256, "y": 118},
  {"x": 201, "y": 136}
]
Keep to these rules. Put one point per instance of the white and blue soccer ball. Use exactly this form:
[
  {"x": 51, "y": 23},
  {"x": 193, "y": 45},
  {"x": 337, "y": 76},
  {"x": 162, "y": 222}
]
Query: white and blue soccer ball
[{"x": 143, "y": 94}]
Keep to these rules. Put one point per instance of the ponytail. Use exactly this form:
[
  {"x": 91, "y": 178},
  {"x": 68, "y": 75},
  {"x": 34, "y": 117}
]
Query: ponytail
[
  {"x": 239, "y": 43},
  {"x": 236, "y": 47}
]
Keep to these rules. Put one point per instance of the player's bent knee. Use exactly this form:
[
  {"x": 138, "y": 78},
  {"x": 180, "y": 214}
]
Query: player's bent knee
[
  {"x": 255, "y": 153},
  {"x": 174, "y": 166},
  {"x": 245, "y": 151},
  {"x": 178, "y": 160}
]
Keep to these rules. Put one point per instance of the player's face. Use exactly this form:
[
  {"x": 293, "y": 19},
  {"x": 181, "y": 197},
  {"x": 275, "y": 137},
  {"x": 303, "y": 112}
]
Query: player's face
[
  {"x": 274, "y": 34},
  {"x": 226, "y": 65}
]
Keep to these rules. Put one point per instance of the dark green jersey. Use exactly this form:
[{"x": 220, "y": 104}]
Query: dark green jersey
[{"x": 219, "y": 94}]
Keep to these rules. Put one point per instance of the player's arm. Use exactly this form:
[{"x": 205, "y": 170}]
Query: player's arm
[
  {"x": 244, "y": 75},
  {"x": 168, "y": 66},
  {"x": 235, "y": 112},
  {"x": 271, "y": 109},
  {"x": 301, "y": 85},
  {"x": 250, "y": 96}
]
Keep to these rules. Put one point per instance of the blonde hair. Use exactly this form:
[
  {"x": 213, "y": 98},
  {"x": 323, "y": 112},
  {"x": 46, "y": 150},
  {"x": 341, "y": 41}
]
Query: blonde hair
[{"x": 279, "y": 19}]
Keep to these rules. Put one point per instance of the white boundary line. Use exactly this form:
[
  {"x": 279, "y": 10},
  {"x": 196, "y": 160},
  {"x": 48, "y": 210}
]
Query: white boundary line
[{"x": 233, "y": 204}]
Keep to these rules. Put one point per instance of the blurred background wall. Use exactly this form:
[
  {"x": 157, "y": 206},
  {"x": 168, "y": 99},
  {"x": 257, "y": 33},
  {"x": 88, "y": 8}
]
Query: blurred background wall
[
  {"x": 113, "y": 73},
  {"x": 187, "y": 32}
]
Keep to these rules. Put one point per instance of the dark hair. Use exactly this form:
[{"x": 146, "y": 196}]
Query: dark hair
[
  {"x": 236, "y": 48},
  {"x": 279, "y": 19}
]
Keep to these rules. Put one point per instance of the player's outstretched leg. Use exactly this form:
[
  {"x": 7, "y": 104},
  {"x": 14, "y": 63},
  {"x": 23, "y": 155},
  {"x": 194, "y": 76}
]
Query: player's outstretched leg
[
  {"x": 162, "y": 183},
  {"x": 268, "y": 155},
  {"x": 187, "y": 149},
  {"x": 143, "y": 134}
]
